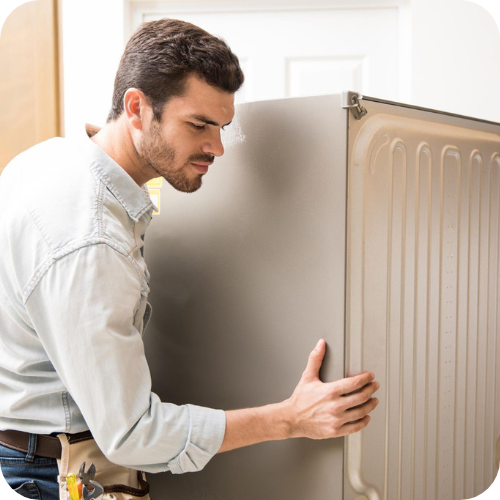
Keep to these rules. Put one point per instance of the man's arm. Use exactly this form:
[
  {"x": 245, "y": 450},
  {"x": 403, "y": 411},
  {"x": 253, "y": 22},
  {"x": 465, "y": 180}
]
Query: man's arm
[
  {"x": 315, "y": 410},
  {"x": 84, "y": 312}
]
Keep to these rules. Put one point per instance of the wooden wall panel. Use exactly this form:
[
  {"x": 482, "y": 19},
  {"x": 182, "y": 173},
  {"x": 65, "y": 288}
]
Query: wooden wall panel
[{"x": 30, "y": 78}]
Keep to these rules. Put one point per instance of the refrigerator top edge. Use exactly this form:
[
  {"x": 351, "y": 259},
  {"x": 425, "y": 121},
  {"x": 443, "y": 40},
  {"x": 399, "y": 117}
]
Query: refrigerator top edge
[{"x": 360, "y": 97}]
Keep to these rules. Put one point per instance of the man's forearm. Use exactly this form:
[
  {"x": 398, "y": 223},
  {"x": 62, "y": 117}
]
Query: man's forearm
[{"x": 255, "y": 425}]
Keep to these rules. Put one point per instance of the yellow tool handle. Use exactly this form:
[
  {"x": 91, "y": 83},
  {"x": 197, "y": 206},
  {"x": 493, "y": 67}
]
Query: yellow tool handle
[{"x": 72, "y": 487}]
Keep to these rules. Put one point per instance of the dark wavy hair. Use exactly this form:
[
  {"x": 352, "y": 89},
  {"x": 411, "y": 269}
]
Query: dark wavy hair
[{"x": 159, "y": 57}]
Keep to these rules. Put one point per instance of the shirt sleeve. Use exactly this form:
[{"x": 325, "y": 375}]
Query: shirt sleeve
[{"x": 83, "y": 312}]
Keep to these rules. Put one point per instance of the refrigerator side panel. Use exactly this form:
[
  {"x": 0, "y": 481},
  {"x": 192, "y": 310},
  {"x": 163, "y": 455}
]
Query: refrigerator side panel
[
  {"x": 422, "y": 306},
  {"x": 247, "y": 274}
]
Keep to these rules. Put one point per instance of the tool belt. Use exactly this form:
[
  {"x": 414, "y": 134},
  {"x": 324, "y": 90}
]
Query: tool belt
[
  {"x": 120, "y": 483},
  {"x": 71, "y": 450}
]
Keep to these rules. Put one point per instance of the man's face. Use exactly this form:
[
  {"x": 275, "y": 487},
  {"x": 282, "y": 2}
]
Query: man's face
[{"x": 182, "y": 146}]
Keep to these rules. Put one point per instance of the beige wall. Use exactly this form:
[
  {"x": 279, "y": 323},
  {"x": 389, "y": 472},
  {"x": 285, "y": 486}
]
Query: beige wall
[{"x": 30, "y": 86}]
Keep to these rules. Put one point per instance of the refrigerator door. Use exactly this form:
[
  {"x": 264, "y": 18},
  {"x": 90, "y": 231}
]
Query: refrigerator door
[
  {"x": 247, "y": 274},
  {"x": 422, "y": 302}
]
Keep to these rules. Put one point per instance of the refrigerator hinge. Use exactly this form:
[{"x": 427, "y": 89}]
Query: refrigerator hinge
[{"x": 351, "y": 100}]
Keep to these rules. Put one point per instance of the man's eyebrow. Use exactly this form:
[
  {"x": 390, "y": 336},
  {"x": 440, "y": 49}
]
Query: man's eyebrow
[{"x": 206, "y": 120}]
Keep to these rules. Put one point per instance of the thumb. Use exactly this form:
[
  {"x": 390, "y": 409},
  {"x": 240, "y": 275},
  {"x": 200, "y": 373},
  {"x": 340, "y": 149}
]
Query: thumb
[{"x": 315, "y": 360}]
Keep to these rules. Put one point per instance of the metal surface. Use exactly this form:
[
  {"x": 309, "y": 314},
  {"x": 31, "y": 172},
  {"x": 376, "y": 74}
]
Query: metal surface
[
  {"x": 350, "y": 100},
  {"x": 85, "y": 477},
  {"x": 423, "y": 302},
  {"x": 251, "y": 270},
  {"x": 246, "y": 275},
  {"x": 430, "y": 110}
]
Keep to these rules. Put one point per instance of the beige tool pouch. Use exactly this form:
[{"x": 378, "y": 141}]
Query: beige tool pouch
[{"x": 120, "y": 483}]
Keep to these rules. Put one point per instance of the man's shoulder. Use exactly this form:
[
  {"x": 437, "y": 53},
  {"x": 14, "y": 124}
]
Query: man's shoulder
[
  {"x": 50, "y": 188},
  {"x": 40, "y": 152},
  {"x": 37, "y": 167},
  {"x": 52, "y": 203}
]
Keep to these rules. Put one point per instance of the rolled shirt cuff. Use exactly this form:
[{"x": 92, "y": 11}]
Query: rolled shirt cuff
[{"x": 207, "y": 428}]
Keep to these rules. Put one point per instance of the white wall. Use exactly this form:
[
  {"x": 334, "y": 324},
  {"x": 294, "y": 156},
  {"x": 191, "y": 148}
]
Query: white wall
[
  {"x": 456, "y": 58},
  {"x": 93, "y": 41},
  {"x": 453, "y": 59}
]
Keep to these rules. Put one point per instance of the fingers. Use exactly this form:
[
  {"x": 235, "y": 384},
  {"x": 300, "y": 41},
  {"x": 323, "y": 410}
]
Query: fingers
[
  {"x": 314, "y": 363},
  {"x": 358, "y": 405},
  {"x": 360, "y": 411},
  {"x": 353, "y": 427},
  {"x": 350, "y": 384},
  {"x": 359, "y": 397}
]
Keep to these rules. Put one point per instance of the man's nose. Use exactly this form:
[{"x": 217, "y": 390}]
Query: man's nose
[{"x": 214, "y": 145}]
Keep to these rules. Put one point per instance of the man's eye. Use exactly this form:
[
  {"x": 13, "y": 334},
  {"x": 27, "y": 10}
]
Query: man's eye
[{"x": 197, "y": 127}]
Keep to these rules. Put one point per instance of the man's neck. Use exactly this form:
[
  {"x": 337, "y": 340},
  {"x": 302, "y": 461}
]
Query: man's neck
[{"x": 115, "y": 140}]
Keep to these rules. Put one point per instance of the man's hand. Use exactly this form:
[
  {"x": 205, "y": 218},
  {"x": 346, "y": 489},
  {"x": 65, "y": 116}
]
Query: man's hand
[
  {"x": 320, "y": 410},
  {"x": 315, "y": 410}
]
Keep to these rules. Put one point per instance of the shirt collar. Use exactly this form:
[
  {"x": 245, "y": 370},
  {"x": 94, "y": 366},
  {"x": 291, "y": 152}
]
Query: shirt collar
[{"x": 134, "y": 198}]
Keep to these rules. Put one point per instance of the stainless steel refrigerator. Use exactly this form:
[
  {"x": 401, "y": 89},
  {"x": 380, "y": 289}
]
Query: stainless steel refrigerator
[{"x": 373, "y": 225}]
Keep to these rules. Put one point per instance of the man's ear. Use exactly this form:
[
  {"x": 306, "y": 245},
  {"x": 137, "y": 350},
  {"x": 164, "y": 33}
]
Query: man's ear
[{"x": 136, "y": 107}]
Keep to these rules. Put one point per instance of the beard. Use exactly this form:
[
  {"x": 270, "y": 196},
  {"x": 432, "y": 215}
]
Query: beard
[{"x": 162, "y": 158}]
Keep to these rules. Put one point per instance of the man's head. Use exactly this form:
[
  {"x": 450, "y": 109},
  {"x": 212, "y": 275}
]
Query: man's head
[
  {"x": 174, "y": 92},
  {"x": 160, "y": 56}
]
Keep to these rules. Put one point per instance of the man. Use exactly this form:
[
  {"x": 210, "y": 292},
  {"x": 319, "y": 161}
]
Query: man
[{"x": 74, "y": 287}]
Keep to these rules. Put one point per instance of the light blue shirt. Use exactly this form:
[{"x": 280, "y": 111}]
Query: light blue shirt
[{"x": 73, "y": 308}]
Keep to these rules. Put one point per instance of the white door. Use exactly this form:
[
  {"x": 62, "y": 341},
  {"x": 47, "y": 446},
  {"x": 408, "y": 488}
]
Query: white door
[{"x": 302, "y": 50}]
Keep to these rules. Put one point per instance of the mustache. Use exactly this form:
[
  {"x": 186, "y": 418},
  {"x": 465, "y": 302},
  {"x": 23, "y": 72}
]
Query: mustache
[{"x": 204, "y": 158}]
